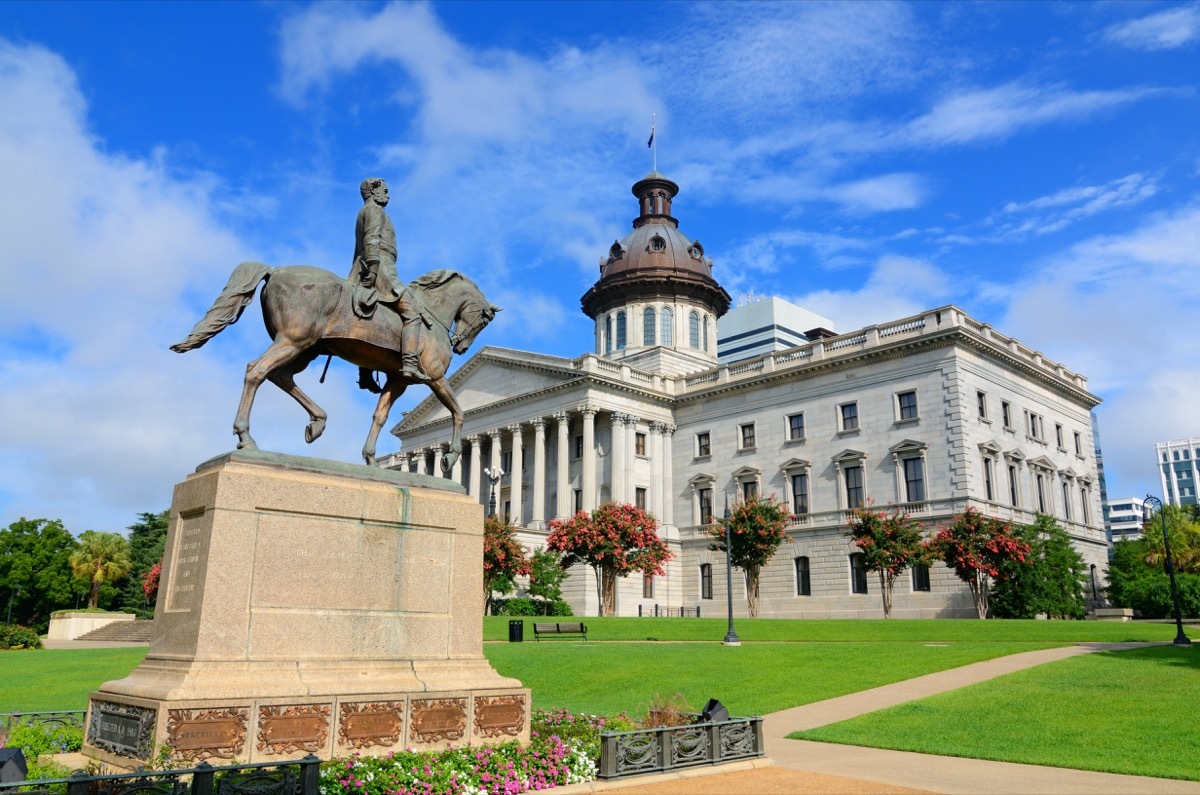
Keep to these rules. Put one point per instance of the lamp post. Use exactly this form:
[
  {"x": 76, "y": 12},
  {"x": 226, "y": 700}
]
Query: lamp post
[
  {"x": 493, "y": 476},
  {"x": 1095, "y": 596},
  {"x": 16, "y": 589},
  {"x": 1156, "y": 504},
  {"x": 731, "y": 637}
]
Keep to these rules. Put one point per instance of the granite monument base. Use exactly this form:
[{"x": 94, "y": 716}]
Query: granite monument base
[{"x": 307, "y": 606}]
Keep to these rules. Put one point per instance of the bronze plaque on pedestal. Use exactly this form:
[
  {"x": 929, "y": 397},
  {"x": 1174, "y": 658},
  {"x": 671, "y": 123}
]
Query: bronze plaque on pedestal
[
  {"x": 499, "y": 715},
  {"x": 298, "y": 727},
  {"x": 122, "y": 729},
  {"x": 438, "y": 719},
  {"x": 206, "y": 733},
  {"x": 368, "y": 724}
]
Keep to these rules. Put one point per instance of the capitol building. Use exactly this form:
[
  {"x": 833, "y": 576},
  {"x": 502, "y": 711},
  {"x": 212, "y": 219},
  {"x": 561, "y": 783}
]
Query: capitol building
[{"x": 685, "y": 403}]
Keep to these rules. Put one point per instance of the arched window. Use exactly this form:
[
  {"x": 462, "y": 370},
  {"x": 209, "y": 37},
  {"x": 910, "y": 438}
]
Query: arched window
[
  {"x": 667, "y": 334},
  {"x": 705, "y": 337},
  {"x": 621, "y": 330},
  {"x": 648, "y": 326},
  {"x": 694, "y": 329},
  {"x": 608, "y": 334}
]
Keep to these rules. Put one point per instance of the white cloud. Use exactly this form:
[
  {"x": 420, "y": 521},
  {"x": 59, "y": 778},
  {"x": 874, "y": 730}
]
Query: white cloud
[
  {"x": 883, "y": 193},
  {"x": 896, "y": 288},
  {"x": 1051, "y": 213},
  {"x": 1166, "y": 30}
]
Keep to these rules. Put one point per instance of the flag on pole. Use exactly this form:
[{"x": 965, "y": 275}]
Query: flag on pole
[{"x": 650, "y": 143}]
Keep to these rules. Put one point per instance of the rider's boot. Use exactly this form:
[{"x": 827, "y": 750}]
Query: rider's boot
[
  {"x": 366, "y": 380},
  {"x": 410, "y": 361}
]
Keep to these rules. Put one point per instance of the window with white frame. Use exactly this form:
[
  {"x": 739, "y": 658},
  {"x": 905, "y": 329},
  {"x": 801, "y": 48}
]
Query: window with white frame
[
  {"x": 853, "y": 476},
  {"x": 1066, "y": 497},
  {"x": 1040, "y": 480},
  {"x": 639, "y": 497},
  {"x": 706, "y": 591},
  {"x": 746, "y": 436},
  {"x": 608, "y": 335},
  {"x": 1006, "y": 414},
  {"x": 795, "y": 427},
  {"x": 858, "y": 573},
  {"x": 906, "y": 406},
  {"x": 667, "y": 326},
  {"x": 1058, "y": 436},
  {"x": 1035, "y": 427},
  {"x": 800, "y": 493},
  {"x": 848, "y": 416},
  {"x": 647, "y": 586},
  {"x": 1084, "y": 513},
  {"x": 981, "y": 404},
  {"x": 705, "y": 496},
  {"x": 703, "y": 444},
  {"x": 621, "y": 330},
  {"x": 639, "y": 444},
  {"x": 920, "y": 577},
  {"x": 1078, "y": 444},
  {"x": 914, "y": 479},
  {"x": 749, "y": 490},
  {"x": 694, "y": 329},
  {"x": 705, "y": 332},
  {"x": 648, "y": 325},
  {"x": 989, "y": 478},
  {"x": 1013, "y": 490},
  {"x": 803, "y": 577}
]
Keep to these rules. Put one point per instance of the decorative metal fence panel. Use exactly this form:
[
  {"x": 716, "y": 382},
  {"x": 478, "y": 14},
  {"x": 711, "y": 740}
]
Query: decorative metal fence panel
[
  {"x": 298, "y": 777},
  {"x": 673, "y": 747},
  {"x": 664, "y": 611},
  {"x": 11, "y": 720}
]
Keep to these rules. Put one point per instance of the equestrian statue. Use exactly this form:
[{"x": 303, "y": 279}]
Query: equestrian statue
[{"x": 310, "y": 312}]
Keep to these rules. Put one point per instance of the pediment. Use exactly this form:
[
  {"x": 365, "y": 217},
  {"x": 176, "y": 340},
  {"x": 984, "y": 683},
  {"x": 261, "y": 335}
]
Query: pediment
[
  {"x": 795, "y": 463},
  {"x": 1042, "y": 462},
  {"x": 1015, "y": 455},
  {"x": 701, "y": 480},
  {"x": 907, "y": 446},
  {"x": 746, "y": 472},
  {"x": 1067, "y": 473},
  {"x": 850, "y": 455},
  {"x": 991, "y": 446}
]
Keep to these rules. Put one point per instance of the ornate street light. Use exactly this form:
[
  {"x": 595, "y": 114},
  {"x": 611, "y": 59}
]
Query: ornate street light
[
  {"x": 731, "y": 637},
  {"x": 493, "y": 476},
  {"x": 1156, "y": 504}
]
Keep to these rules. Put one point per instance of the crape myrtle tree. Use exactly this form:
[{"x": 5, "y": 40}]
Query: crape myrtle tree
[
  {"x": 976, "y": 547},
  {"x": 615, "y": 540},
  {"x": 890, "y": 544},
  {"x": 35, "y": 571},
  {"x": 757, "y": 528},
  {"x": 503, "y": 559},
  {"x": 100, "y": 559}
]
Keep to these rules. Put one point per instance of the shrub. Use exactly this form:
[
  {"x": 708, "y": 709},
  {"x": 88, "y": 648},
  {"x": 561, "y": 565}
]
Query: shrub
[
  {"x": 15, "y": 636},
  {"x": 519, "y": 607},
  {"x": 558, "y": 607}
]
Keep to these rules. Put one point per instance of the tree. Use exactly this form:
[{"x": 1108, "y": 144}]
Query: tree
[
  {"x": 615, "y": 540},
  {"x": 101, "y": 558},
  {"x": 147, "y": 537},
  {"x": 975, "y": 546},
  {"x": 890, "y": 544},
  {"x": 546, "y": 574},
  {"x": 1135, "y": 584},
  {"x": 1049, "y": 581},
  {"x": 1184, "y": 533},
  {"x": 35, "y": 571},
  {"x": 757, "y": 527},
  {"x": 503, "y": 559}
]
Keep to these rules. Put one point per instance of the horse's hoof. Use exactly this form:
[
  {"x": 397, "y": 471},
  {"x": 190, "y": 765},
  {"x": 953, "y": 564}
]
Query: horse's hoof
[
  {"x": 314, "y": 430},
  {"x": 369, "y": 459},
  {"x": 448, "y": 461},
  {"x": 246, "y": 444}
]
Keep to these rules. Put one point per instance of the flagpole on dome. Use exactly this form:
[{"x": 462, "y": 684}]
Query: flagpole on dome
[{"x": 652, "y": 144}]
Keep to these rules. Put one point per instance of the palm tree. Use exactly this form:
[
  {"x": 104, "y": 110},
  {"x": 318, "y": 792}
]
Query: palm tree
[
  {"x": 100, "y": 558},
  {"x": 1185, "y": 539}
]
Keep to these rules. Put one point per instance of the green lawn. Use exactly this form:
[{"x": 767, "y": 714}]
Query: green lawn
[
  {"x": 43, "y": 681},
  {"x": 1126, "y": 712}
]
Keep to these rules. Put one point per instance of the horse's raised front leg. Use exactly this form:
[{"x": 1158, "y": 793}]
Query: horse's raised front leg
[
  {"x": 441, "y": 390},
  {"x": 278, "y": 355},
  {"x": 393, "y": 388},
  {"x": 284, "y": 378}
]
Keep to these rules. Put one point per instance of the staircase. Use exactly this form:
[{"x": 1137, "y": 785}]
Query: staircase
[{"x": 121, "y": 632}]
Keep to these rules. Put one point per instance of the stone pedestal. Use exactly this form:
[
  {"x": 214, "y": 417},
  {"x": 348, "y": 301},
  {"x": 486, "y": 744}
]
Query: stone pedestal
[{"x": 307, "y": 606}]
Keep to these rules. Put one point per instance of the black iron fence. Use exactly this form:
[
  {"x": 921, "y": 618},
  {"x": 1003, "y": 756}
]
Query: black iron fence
[
  {"x": 298, "y": 777},
  {"x": 663, "y": 611},
  {"x": 673, "y": 747}
]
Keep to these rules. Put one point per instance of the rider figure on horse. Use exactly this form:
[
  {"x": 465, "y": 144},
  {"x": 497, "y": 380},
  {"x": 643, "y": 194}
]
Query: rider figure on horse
[{"x": 374, "y": 280}]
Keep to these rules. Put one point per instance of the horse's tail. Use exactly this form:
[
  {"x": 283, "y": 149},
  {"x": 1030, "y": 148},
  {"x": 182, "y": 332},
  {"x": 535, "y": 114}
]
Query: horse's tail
[{"x": 229, "y": 305}]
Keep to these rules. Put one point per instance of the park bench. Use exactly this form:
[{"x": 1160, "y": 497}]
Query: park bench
[{"x": 576, "y": 628}]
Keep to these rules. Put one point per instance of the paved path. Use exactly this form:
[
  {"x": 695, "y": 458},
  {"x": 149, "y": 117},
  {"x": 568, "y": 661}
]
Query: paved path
[{"x": 807, "y": 767}]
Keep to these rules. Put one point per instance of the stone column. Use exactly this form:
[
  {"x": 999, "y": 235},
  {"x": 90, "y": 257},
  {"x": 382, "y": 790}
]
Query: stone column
[
  {"x": 900, "y": 495},
  {"x": 456, "y": 469},
  {"x": 494, "y": 463},
  {"x": 668, "y": 516},
  {"x": 472, "y": 443},
  {"x": 620, "y": 472},
  {"x": 538, "y": 516},
  {"x": 656, "y": 476},
  {"x": 516, "y": 477},
  {"x": 435, "y": 460},
  {"x": 589, "y": 457},
  {"x": 840, "y": 479},
  {"x": 563, "y": 509}
]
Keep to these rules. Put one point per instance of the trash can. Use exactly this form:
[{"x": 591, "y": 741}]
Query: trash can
[{"x": 516, "y": 631}]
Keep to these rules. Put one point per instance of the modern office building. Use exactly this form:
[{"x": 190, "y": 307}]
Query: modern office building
[
  {"x": 935, "y": 412},
  {"x": 1177, "y": 470},
  {"x": 1124, "y": 518}
]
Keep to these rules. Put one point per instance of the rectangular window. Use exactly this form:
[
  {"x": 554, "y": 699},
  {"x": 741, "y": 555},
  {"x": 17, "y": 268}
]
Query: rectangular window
[
  {"x": 849, "y": 416},
  {"x": 1078, "y": 444},
  {"x": 803, "y": 582},
  {"x": 706, "y": 581},
  {"x": 747, "y": 434},
  {"x": 914, "y": 480},
  {"x": 1041, "y": 494},
  {"x": 706, "y": 514},
  {"x": 858, "y": 573},
  {"x": 854, "y": 487},
  {"x": 800, "y": 494},
  {"x": 1083, "y": 506},
  {"x": 647, "y": 586},
  {"x": 907, "y": 404},
  {"x": 639, "y": 498},
  {"x": 1058, "y": 436},
  {"x": 578, "y": 447},
  {"x": 981, "y": 404},
  {"x": 578, "y": 500},
  {"x": 987, "y": 479},
  {"x": 795, "y": 427},
  {"x": 1012, "y": 486},
  {"x": 1035, "y": 427},
  {"x": 703, "y": 445},
  {"x": 1066, "y": 494},
  {"x": 920, "y": 577},
  {"x": 749, "y": 490},
  {"x": 1006, "y": 413},
  {"x": 639, "y": 444}
]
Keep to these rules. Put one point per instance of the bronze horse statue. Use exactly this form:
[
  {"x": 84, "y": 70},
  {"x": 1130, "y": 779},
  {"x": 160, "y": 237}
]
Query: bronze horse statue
[{"x": 308, "y": 314}]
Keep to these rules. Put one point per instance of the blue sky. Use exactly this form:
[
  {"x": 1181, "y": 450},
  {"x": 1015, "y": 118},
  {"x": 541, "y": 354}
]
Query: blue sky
[{"x": 1037, "y": 164}]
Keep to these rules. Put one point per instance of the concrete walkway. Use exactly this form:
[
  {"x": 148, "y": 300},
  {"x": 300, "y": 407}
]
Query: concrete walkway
[{"x": 808, "y": 767}]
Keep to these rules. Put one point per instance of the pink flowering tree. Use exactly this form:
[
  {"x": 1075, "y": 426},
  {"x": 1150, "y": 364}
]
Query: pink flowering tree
[
  {"x": 615, "y": 540},
  {"x": 150, "y": 581},
  {"x": 976, "y": 546},
  {"x": 890, "y": 543},
  {"x": 757, "y": 528},
  {"x": 503, "y": 559}
]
